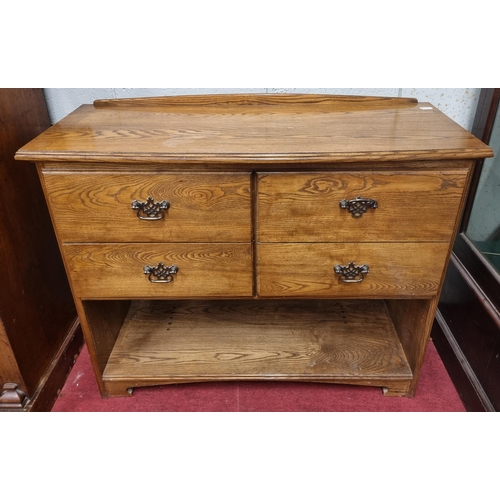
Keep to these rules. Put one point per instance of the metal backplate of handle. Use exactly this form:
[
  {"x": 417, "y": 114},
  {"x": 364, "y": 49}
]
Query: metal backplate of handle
[
  {"x": 161, "y": 273},
  {"x": 352, "y": 273},
  {"x": 358, "y": 206},
  {"x": 150, "y": 209}
]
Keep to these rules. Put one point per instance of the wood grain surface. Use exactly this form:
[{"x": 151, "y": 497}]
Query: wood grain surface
[
  {"x": 269, "y": 340},
  {"x": 221, "y": 100},
  {"x": 290, "y": 131},
  {"x": 97, "y": 207},
  {"x": 116, "y": 270},
  {"x": 412, "y": 206},
  {"x": 102, "y": 321},
  {"x": 307, "y": 270},
  {"x": 255, "y": 184}
]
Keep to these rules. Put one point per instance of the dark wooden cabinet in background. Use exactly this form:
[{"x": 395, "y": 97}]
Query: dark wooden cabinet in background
[
  {"x": 467, "y": 327},
  {"x": 40, "y": 335}
]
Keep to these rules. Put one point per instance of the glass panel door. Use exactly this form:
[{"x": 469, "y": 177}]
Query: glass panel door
[{"x": 483, "y": 227}]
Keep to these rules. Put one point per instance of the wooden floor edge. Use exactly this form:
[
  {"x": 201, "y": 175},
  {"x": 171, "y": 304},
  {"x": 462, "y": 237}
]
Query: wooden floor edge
[{"x": 55, "y": 377}]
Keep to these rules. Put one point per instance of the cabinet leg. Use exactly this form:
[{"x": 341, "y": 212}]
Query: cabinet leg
[
  {"x": 117, "y": 390},
  {"x": 398, "y": 390},
  {"x": 11, "y": 397}
]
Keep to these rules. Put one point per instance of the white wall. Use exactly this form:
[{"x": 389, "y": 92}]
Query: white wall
[{"x": 459, "y": 104}]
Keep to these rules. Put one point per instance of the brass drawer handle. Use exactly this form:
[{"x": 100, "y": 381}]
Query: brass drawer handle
[
  {"x": 149, "y": 209},
  {"x": 161, "y": 273},
  {"x": 358, "y": 206},
  {"x": 352, "y": 273}
]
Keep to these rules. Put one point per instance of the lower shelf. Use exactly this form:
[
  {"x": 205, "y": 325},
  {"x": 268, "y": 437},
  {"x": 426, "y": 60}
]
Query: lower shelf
[{"x": 351, "y": 342}]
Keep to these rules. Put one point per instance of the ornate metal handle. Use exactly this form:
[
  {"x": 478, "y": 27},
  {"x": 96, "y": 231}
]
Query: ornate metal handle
[
  {"x": 149, "y": 209},
  {"x": 161, "y": 273},
  {"x": 352, "y": 273},
  {"x": 358, "y": 206}
]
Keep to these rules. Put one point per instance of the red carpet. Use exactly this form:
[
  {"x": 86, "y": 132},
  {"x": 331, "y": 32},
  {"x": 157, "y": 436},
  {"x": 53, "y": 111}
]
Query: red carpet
[{"x": 435, "y": 393}]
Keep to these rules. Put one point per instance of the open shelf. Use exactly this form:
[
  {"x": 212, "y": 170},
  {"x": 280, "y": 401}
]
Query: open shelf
[{"x": 164, "y": 342}]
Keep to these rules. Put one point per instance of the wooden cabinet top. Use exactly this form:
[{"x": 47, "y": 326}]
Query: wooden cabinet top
[{"x": 285, "y": 128}]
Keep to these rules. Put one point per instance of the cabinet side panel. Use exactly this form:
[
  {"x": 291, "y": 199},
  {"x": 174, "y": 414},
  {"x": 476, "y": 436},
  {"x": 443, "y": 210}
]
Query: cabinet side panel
[
  {"x": 101, "y": 324},
  {"x": 413, "y": 321}
]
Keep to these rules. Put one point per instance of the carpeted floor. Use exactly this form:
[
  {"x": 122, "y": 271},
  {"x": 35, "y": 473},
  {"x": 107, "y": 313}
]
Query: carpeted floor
[{"x": 435, "y": 393}]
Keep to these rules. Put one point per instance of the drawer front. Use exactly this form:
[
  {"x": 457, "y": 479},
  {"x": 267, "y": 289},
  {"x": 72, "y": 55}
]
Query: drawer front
[
  {"x": 118, "y": 270},
  {"x": 308, "y": 270},
  {"x": 98, "y": 207},
  {"x": 410, "y": 206}
]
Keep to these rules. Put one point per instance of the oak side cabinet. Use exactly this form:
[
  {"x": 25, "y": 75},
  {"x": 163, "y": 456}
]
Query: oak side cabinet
[
  {"x": 39, "y": 329},
  {"x": 256, "y": 237}
]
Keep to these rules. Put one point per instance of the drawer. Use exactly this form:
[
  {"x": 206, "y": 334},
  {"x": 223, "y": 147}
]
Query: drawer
[
  {"x": 308, "y": 270},
  {"x": 94, "y": 207},
  {"x": 118, "y": 270},
  {"x": 411, "y": 206}
]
